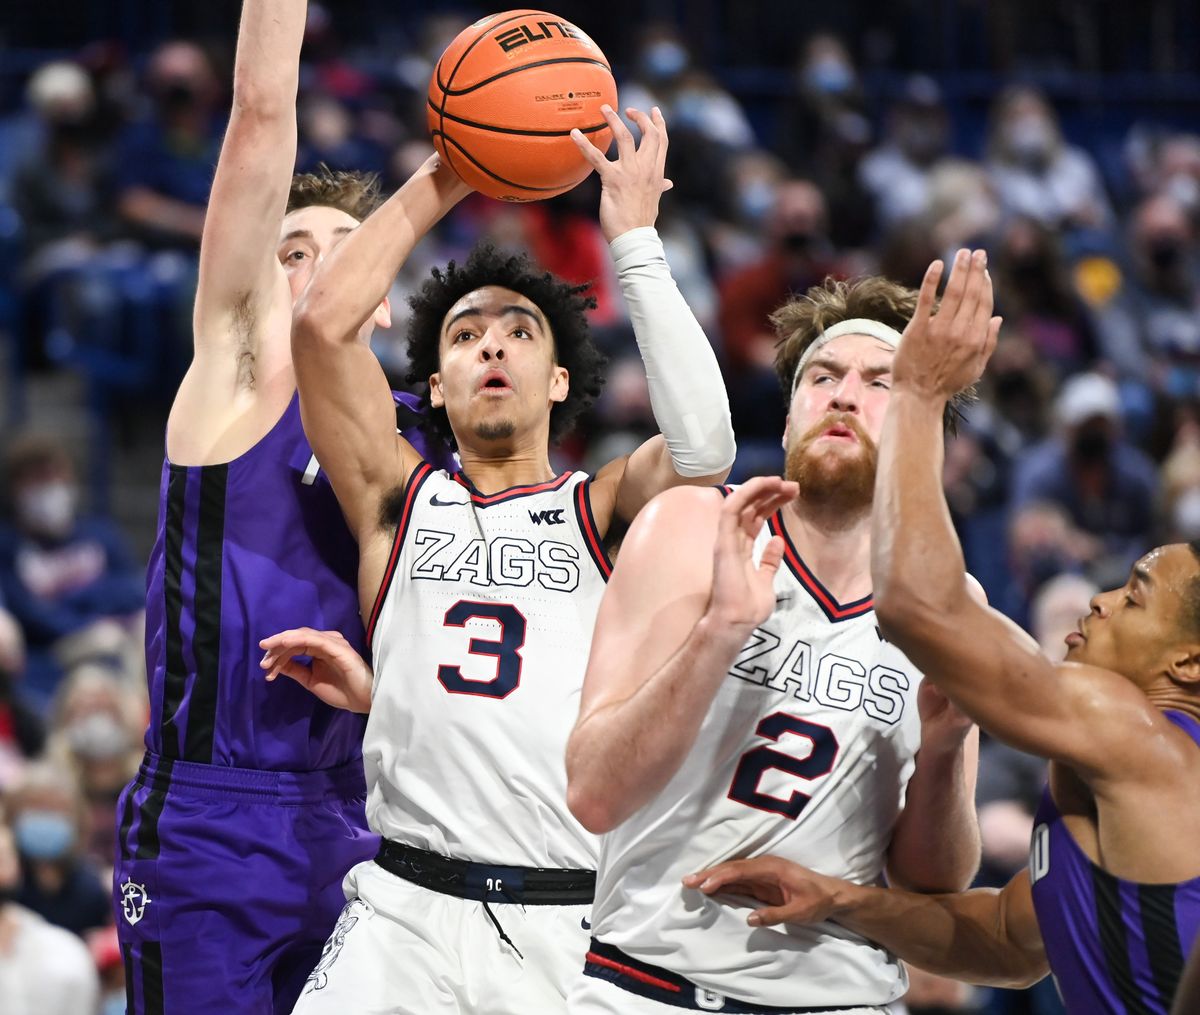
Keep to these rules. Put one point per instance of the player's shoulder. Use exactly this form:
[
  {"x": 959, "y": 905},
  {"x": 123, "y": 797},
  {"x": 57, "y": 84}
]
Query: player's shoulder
[{"x": 681, "y": 517}]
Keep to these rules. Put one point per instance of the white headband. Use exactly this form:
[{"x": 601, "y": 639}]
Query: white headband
[{"x": 855, "y": 326}]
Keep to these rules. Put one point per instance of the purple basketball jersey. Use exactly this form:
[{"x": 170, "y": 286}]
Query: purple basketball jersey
[
  {"x": 1115, "y": 947},
  {"x": 245, "y": 550}
]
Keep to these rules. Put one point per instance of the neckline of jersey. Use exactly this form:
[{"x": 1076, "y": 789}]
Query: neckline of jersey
[
  {"x": 485, "y": 499},
  {"x": 832, "y": 609}
]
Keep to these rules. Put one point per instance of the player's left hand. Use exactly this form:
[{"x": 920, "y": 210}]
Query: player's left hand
[
  {"x": 943, "y": 724},
  {"x": 339, "y": 676},
  {"x": 634, "y": 181},
  {"x": 793, "y": 894},
  {"x": 943, "y": 353}
]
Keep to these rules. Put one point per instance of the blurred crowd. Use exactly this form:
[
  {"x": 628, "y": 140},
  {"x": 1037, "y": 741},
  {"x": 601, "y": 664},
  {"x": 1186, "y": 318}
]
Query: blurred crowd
[{"x": 1082, "y": 451}]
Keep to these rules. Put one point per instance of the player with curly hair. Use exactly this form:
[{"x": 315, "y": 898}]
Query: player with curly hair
[{"x": 481, "y": 587}]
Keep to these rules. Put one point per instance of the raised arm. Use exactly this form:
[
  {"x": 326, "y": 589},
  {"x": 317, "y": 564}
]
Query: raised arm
[
  {"x": 672, "y": 620},
  {"x": 239, "y": 272},
  {"x": 983, "y": 936},
  {"x": 687, "y": 393},
  {"x": 345, "y": 400},
  {"x": 1089, "y": 718}
]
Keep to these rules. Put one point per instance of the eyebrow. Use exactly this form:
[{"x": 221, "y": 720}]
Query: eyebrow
[
  {"x": 1142, "y": 575},
  {"x": 504, "y": 312},
  {"x": 834, "y": 367},
  {"x": 306, "y": 234}
]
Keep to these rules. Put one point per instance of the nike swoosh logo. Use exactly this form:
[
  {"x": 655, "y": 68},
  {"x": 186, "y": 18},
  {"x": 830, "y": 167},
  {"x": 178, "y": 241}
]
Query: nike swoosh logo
[
  {"x": 445, "y": 503},
  {"x": 584, "y": 924}
]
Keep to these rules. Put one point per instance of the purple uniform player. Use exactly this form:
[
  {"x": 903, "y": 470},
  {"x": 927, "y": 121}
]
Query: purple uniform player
[
  {"x": 1110, "y": 902},
  {"x": 249, "y": 806},
  {"x": 1114, "y": 945}
]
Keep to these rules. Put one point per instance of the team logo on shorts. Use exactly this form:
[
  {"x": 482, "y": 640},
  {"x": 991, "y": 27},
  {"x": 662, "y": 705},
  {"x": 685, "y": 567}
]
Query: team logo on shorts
[
  {"x": 134, "y": 900},
  {"x": 318, "y": 979},
  {"x": 709, "y": 1000}
]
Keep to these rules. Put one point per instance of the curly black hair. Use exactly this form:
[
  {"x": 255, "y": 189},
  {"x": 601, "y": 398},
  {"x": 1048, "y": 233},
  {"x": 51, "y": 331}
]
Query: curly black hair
[{"x": 564, "y": 306}]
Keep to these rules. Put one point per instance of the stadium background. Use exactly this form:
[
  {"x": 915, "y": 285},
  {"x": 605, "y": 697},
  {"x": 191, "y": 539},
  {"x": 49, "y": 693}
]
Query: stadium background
[{"x": 806, "y": 139}]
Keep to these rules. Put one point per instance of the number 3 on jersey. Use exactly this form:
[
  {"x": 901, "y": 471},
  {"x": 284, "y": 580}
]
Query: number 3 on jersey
[
  {"x": 506, "y": 651},
  {"x": 757, "y": 762}
]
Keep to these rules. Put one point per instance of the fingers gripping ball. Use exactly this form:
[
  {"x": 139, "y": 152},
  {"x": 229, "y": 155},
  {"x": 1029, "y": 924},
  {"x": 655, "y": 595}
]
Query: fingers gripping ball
[{"x": 505, "y": 96}]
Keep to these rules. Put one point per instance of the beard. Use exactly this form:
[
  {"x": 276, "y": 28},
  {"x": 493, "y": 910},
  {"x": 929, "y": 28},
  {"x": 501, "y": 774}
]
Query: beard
[
  {"x": 496, "y": 430},
  {"x": 832, "y": 479}
]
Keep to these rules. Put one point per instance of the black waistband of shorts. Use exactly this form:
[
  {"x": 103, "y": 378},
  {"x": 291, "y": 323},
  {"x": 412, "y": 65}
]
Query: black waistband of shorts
[
  {"x": 606, "y": 962},
  {"x": 528, "y": 886}
]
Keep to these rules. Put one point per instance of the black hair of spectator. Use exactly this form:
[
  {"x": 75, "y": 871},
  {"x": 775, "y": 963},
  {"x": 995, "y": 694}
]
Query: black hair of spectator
[
  {"x": 357, "y": 194},
  {"x": 802, "y": 319},
  {"x": 563, "y": 305}
]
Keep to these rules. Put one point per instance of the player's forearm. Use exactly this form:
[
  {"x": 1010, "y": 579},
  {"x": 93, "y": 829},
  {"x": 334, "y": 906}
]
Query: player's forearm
[
  {"x": 266, "y": 70},
  {"x": 959, "y": 935},
  {"x": 358, "y": 274},
  {"x": 936, "y": 844},
  {"x": 687, "y": 391},
  {"x": 623, "y": 754},
  {"x": 916, "y": 559}
]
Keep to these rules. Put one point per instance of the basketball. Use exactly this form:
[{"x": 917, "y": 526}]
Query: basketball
[{"x": 505, "y": 96}]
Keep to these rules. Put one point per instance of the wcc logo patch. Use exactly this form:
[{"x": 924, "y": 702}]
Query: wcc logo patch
[
  {"x": 134, "y": 900},
  {"x": 552, "y": 517}
]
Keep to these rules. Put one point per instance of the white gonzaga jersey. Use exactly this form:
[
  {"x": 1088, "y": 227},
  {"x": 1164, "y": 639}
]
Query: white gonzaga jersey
[
  {"x": 480, "y": 639},
  {"x": 805, "y": 754}
]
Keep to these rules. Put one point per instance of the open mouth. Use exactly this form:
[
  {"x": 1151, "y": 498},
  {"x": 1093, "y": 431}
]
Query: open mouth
[
  {"x": 495, "y": 382},
  {"x": 843, "y": 432}
]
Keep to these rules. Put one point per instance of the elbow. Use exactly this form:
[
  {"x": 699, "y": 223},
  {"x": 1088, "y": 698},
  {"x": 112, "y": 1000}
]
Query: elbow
[
  {"x": 310, "y": 324},
  {"x": 257, "y": 101},
  {"x": 900, "y": 608},
  {"x": 591, "y": 809}
]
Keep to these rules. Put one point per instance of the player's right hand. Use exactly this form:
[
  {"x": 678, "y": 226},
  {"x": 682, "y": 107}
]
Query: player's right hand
[
  {"x": 794, "y": 894},
  {"x": 943, "y": 353},
  {"x": 339, "y": 676},
  {"x": 743, "y": 594}
]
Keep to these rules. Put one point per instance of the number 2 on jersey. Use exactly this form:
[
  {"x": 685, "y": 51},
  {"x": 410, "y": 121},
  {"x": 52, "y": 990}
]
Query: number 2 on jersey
[
  {"x": 506, "y": 651},
  {"x": 754, "y": 763}
]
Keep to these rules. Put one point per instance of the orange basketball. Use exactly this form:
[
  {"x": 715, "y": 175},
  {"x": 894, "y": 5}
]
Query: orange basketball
[{"x": 505, "y": 96}]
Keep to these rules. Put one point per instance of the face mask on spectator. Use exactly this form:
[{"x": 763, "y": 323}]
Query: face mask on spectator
[
  {"x": 1165, "y": 254},
  {"x": 44, "y": 835},
  {"x": 1091, "y": 446},
  {"x": 829, "y": 74},
  {"x": 664, "y": 59},
  {"x": 755, "y": 199},
  {"x": 97, "y": 736},
  {"x": 47, "y": 509},
  {"x": 1029, "y": 138},
  {"x": 1185, "y": 189}
]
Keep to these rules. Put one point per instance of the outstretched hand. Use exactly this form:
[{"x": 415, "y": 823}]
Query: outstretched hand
[
  {"x": 633, "y": 182},
  {"x": 943, "y": 353},
  {"x": 338, "y": 675},
  {"x": 743, "y": 594},
  {"x": 793, "y": 894}
]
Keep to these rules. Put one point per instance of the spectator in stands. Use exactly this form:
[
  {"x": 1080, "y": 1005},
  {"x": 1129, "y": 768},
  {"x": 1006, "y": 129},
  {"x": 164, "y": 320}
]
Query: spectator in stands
[
  {"x": 44, "y": 970},
  {"x": 1150, "y": 330},
  {"x": 63, "y": 189},
  {"x": 70, "y": 581},
  {"x": 45, "y": 812},
  {"x": 1036, "y": 173},
  {"x": 896, "y": 174},
  {"x": 799, "y": 256},
  {"x": 22, "y": 734},
  {"x": 1105, "y": 485},
  {"x": 98, "y": 722},
  {"x": 1037, "y": 298},
  {"x": 167, "y": 159}
]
